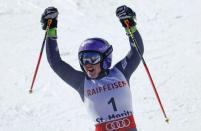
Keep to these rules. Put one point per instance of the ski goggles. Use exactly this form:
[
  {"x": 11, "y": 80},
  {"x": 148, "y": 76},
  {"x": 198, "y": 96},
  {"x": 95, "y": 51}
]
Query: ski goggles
[{"x": 90, "y": 58}]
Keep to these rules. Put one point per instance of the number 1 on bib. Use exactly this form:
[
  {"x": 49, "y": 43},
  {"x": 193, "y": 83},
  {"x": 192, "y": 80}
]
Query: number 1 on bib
[{"x": 113, "y": 103}]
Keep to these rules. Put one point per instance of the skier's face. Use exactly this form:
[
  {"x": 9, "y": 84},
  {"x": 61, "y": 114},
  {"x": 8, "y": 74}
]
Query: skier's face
[{"x": 92, "y": 71}]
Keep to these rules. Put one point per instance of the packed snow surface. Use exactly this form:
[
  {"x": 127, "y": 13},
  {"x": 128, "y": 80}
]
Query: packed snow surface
[{"x": 171, "y": 33}]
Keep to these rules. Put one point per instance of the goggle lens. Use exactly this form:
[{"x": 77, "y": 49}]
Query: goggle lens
[{"x": 90, "y": 58}]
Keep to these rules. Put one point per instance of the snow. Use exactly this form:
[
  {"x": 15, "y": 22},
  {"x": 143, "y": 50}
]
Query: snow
[{"x": 171, "y": 34}]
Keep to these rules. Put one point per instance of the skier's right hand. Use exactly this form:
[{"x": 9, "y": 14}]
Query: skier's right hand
[{"x": 49, "y": 13}]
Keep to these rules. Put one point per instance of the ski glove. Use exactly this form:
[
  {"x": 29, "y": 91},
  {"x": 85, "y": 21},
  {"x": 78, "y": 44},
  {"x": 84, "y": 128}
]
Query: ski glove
[
  {"x": 125, "y": 13},
  {"x": 49, "y": 13}
]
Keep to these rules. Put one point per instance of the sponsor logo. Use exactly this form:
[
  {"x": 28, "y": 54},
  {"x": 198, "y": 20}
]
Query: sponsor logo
[
  {"x": 106, "y": 88},
  {"x": 115, "y": 116},
  {"x": 114, "y": 125}
]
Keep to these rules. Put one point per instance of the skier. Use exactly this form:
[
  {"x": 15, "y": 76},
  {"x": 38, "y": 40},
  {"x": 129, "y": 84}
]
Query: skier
[{"x": 105, "y": 91}]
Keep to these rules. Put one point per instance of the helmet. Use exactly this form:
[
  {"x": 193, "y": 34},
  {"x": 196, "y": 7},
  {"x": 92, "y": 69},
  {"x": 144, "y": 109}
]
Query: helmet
[{"x": 100, "y": 46}]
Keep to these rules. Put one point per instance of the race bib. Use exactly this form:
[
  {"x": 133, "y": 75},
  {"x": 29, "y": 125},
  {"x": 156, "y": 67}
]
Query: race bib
[{"x": 109, "y": 98}]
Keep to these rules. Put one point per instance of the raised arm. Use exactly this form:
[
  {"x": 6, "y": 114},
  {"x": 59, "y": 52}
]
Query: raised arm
[
  {"x": 61, "y": 68},
  {"x": 71, "y": 76},
  {"x": 129, "y": 64}
]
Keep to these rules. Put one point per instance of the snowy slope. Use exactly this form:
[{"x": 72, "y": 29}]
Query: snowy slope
[{"x": 171, "y": 33}]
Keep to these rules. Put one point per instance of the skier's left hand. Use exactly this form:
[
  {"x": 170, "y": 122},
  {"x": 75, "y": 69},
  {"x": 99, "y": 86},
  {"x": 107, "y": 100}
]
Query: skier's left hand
[{"x": 125, "y": 13}]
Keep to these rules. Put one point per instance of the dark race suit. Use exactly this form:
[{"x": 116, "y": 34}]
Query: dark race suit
[{"x": 76, "y": 79}]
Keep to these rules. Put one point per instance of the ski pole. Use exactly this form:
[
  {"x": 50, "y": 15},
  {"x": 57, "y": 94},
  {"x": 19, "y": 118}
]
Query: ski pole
[
  {"x": 40, "y": 56},
  {"x": 147, "y": 70}
]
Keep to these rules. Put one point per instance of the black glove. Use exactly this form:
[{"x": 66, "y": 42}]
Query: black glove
[
  {"x": 125, "y": 13},
  {"x": 49, "y": 13}
]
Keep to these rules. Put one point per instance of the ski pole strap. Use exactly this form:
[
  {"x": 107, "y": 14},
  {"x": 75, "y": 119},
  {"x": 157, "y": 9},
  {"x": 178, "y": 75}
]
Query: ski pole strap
[
  {"x": 130, "y": 30},
  {"x": 52, "y": 32},
  {"x": 122, "y": 124}
]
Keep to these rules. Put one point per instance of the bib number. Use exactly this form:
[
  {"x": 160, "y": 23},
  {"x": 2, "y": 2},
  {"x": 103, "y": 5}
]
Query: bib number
[{"x": 112, "y": 101}]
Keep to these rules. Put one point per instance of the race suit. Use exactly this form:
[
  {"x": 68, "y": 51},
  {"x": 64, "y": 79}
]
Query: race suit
[{"x": 108, "y": 98}]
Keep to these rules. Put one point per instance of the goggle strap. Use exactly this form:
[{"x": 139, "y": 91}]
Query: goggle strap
[{"x": 108, "y": 51}]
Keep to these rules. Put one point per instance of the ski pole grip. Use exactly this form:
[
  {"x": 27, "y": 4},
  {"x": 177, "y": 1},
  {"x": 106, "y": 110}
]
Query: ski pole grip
[
  {"x": 126, "y": 21},
  {"x": 49, "y": 22}
]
